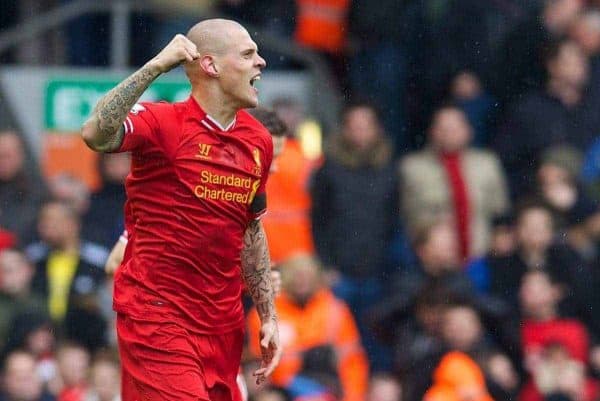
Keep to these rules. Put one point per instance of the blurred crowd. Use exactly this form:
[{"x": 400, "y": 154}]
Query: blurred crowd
[{"x": 444, "y": 246}]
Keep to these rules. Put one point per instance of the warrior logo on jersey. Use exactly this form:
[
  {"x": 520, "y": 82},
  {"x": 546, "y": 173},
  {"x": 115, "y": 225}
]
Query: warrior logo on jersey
[{"x": 203, "y": 151}]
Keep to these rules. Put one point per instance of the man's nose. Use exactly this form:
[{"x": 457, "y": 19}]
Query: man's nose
[{"x": 261, "y": 63}]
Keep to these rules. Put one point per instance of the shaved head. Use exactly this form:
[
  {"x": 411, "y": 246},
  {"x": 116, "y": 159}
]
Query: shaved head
[
  {"x": 226, "y": 66},
  {"x": 215, "y": 35}
]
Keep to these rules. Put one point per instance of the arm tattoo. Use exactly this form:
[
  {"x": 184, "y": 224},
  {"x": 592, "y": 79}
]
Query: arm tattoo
[
  {"x": 256, "y": 270},
  {"x": 112, "y": 109}
]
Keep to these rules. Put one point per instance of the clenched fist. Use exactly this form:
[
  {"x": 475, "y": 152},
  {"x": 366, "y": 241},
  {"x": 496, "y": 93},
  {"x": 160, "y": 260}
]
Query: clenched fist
[{"x": 180, "y": 49}]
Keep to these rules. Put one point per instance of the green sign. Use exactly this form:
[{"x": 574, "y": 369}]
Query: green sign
[{"x": 68, "y": 102}]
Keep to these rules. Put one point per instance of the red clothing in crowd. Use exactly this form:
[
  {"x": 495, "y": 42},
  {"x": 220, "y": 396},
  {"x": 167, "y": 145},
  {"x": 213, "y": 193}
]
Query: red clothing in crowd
[{"x": 458, "y": 189}]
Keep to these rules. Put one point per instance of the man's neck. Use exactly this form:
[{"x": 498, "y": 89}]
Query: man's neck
[
  {"x": 534, "y": 259},
  {"x": 215, "y": 105},
  {"x": 70, "y": 246},
  {"x": 545, "y": 314}
]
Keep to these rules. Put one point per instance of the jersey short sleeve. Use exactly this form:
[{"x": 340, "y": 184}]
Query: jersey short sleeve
[
  {"x": 258, "y": 207},
  {"x": 140, "y": 127}
]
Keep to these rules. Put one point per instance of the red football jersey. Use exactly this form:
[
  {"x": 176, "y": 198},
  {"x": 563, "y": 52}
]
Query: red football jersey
[{"x": 193, "y": 188}]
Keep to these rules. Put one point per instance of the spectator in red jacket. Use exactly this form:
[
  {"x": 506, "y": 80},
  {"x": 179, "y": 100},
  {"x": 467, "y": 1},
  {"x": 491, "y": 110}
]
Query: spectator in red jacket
[{"x": 555, "y": 348}]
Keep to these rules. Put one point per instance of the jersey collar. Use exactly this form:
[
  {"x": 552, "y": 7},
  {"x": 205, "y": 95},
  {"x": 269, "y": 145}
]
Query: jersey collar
[{"x": 208, "y": 121}]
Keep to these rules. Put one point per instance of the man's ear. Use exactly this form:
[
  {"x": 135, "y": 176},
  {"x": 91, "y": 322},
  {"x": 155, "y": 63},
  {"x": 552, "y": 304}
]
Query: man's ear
[{"x": 207, "y": 63}]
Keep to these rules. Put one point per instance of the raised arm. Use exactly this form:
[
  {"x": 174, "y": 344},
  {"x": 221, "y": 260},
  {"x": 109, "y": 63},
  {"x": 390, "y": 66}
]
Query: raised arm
[
  {"x": 103, "y": 131},
  {"x": 256, "y": 271}
]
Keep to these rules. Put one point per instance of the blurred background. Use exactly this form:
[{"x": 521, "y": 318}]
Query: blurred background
[{"x": 434, "y": 213}]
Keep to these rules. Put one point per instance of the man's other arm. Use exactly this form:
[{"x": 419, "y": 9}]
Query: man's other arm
[
  {"x": 103, "y": 131},
  {"x": 115, "y": 257},
  {"x": 256, "y": 271}
]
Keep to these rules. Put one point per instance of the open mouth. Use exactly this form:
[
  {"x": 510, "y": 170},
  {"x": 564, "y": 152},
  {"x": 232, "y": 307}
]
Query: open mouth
[{"x": 254, "y": 80}]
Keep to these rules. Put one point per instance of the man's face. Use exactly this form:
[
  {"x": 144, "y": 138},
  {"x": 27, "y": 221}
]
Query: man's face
[
  {"x": 361, "y": 127},
  {"x": 534, "y": 230},
  {"x": 558, "y": 15},
  {"x": 73, "y": 364},
  {"x": 450, "y": 131},
  {"x": 21, "y": 381},
  {"x": 440, "y": 251},
  {"x": 586, "y": 32},
  {"x": 570, "y": 66},
  {"x": 11, "y": 156},
  {"x": 304, "y": 283},
  {"x": 537, "y": 293},
  {"x": 106, "y": 380},
  {"x": 55, "y": 225},
  {"x": 461, "y": 327},
  {"x": 16, "y": 272},
  {"x": 239, "y": 68}
]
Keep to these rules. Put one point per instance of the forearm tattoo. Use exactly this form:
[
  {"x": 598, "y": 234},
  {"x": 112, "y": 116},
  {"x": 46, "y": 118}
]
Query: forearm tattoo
[
  {"x": 112, "y": 109},
  {"x": 256, "y": 271}
]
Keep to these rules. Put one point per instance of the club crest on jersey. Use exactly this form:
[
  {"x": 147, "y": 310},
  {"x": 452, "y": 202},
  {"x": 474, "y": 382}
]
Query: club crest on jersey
[
  {"x": 256, "y": 155},
  {"x": 203, "y": 151},
  {"x": 137, "y": 108}
]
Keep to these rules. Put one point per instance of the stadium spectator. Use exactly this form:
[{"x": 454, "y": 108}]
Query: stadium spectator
[
  {"x": 105, "y": 379},
  {"x": 561, "y": 112},
  {"x": 555, "y": 349},
  {"x": 384, "y": 387},
  {"x": 585, "y": 30},
  {"x": 69, "y": 273},
  {"x": 581, "y": 233},
  {"x": 457, "y": 378},
  {"x": 461, "y": 329},
  {"x": 519, "y": 67},
  {"x": 104, "y": 221},
  {"x": 502, "y": 243},
  {"x": 20, "y": 381},
  {"x": 409, "y": 317},
  {"x": 468, "y": 93},
  {"x": 457, "y": 35},
  {"x": 354, "y": 213},
  {"x": 450, "y": 178},
  {"x": 301, "y": 127},
  {"x": 73, "y": 365},
  {"x": 575, "y": 213},
  {"x": 16, "y": 296},
  {"x": 71, "y": 190},
  {"x": 20, "y": 195},
  {"x": 7, "y": 239},
  {"x": 289, "y": 199},
  {"x": 558, "y": 184},
  {"x": 322, "y": 350},
  {"x": 536, "y": 250},
  {"x": 505, "y": 382},
  {"x": 34, "y": 333}
]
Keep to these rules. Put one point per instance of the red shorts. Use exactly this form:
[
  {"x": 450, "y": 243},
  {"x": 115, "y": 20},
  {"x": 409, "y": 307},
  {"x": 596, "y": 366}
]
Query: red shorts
[{"x": 165, "y": 362}]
